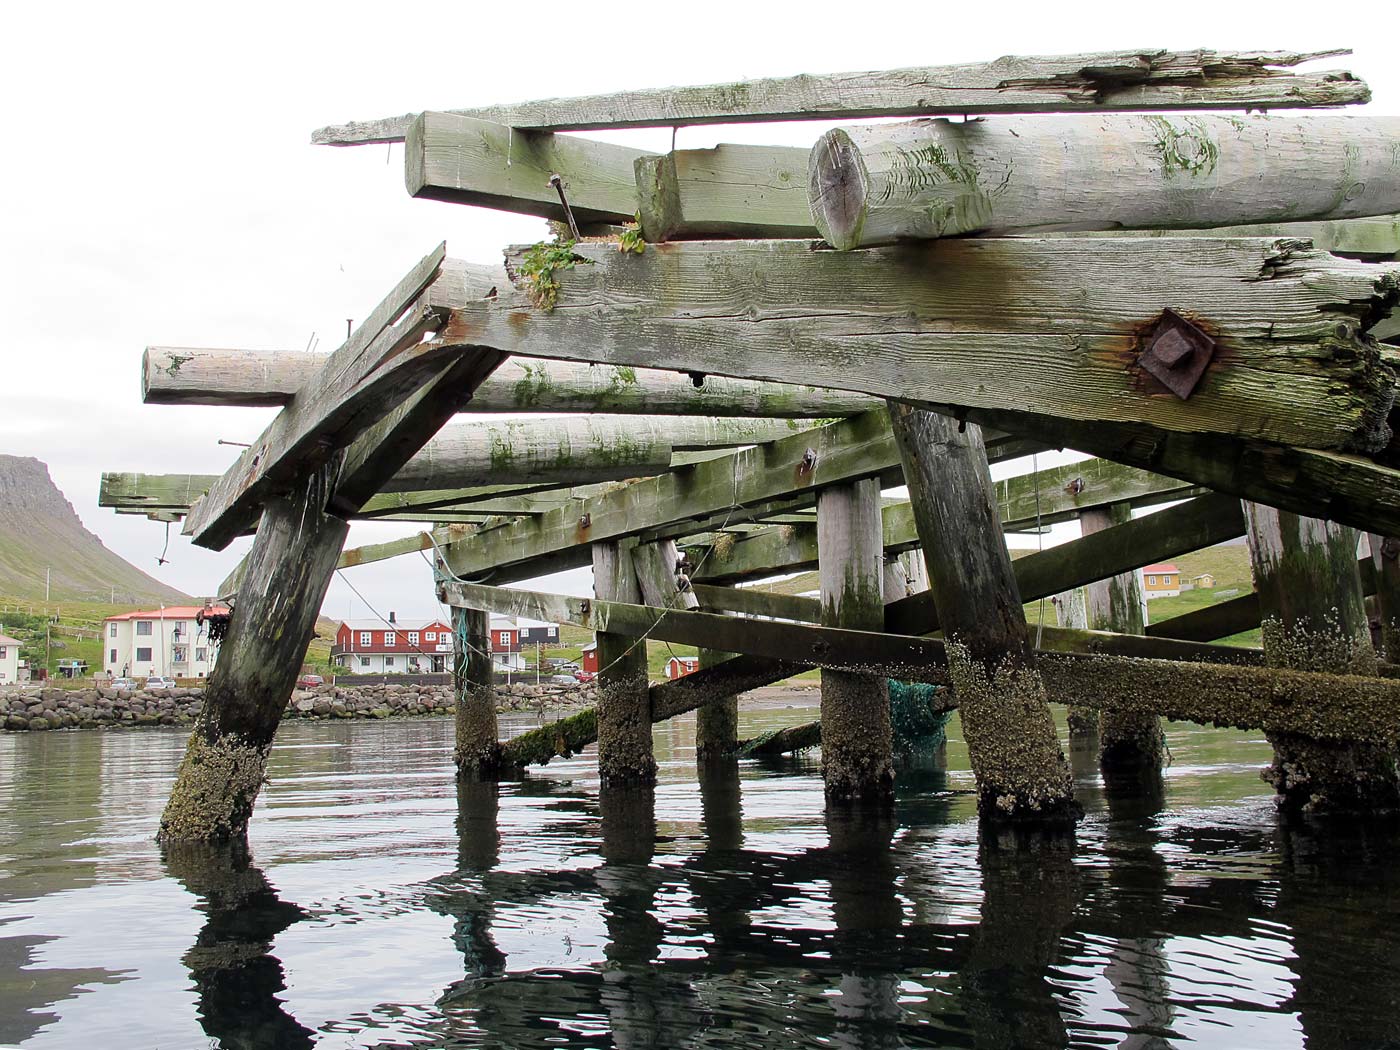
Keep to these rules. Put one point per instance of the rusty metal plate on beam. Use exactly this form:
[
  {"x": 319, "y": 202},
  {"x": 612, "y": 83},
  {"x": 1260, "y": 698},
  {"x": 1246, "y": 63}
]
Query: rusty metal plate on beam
[{"x": 1177, "y": 354}]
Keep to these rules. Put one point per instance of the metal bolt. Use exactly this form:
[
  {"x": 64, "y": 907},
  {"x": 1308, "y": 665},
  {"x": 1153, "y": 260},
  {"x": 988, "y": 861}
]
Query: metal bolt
[
  {"x": 558, "y": 184},
  {"x": 586, "y": 521},
  {"x": 1177, "y": 354}
]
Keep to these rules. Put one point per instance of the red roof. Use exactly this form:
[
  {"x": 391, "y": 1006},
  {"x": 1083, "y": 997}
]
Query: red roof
[
  {"x": 1160, "y": 568},
  {"x": 170, "y": 612}
]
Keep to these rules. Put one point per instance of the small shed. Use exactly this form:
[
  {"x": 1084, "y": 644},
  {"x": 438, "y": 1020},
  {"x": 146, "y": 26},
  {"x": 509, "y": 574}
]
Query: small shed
[
  {"x": 680, "y": 666},
  {"x": 589, "y": 657}
]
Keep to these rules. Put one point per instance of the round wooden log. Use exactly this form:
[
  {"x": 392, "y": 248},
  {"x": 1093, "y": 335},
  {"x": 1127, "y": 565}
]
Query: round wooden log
[
  {"x": 1071, "y": 611},
  {"x": 876, "y": 184},
  {"x": 1309, "y": 587},
  {"x": 625, "y": 755},
  {"x": 477, "y": 751}
]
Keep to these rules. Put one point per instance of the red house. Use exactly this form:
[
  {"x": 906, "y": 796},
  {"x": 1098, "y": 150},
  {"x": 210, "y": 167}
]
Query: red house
[
  {"x": 376, "y": 647},
  {"x": 589, "y": 657},
  {"x": 505, "y": 645},
  {"x": 680, "y": 666}
]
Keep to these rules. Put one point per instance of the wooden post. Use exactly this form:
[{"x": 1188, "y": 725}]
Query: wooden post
[
  {"x": 1314, "y": 619},
  {"x": 857, "y": 743},
  {"x": 289, "y": 569},
  {"x": 1021, "y": 772},
  {"x": 1072, "y": 611},
  {"x": 716, "y": 723},
  {"x": 1385, "y": 556},
  {"x": 477, "y": 751},
  {"x": 624, "y": 704},
  {"x": 1126, "y": 741}
]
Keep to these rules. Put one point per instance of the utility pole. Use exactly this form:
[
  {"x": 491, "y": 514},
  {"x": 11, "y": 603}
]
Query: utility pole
[{"x": 47, "y": 570}]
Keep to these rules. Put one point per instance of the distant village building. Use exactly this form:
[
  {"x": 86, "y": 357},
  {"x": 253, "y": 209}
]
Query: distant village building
[
  {"x": 372, "y": 646},
  {"x": 680, "y": 666},
  {"x": 506, "y": 652},
  {"x": 9, "y": 660},
  {"x": 537, "y": 632},
  {"x": 589, "y": 657},
  {"x": 1205, "y": 580},
  {"x": 1160, "y": 581},
  {"x": 164, "y": 642}
]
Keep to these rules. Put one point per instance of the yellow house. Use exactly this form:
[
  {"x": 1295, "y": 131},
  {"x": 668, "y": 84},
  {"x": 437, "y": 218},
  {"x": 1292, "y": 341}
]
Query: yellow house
[
  {"x": 1205, "y": 580},
  {"x": 1161, "y": 581}
]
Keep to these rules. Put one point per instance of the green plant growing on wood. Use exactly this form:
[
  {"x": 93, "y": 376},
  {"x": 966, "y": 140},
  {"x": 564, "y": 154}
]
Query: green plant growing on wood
[
  {"x": 630, "y": 240},
  {"x": 539, "y": 266}
]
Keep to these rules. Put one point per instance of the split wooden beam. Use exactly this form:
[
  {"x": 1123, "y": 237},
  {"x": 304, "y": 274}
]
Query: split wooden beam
[
  {"x": 184, "y": 375},
  {"x": 882, "y": 183},
  {"x": 727, "y": 191},
  {"x": 383, "y": 364},
  {"x": 1099, "y": 82},
  {"x": 1028, "y": 326}
]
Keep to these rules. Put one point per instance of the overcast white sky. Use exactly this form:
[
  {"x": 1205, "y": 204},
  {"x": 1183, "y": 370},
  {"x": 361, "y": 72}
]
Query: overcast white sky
[{"x": 158, "y": 186}]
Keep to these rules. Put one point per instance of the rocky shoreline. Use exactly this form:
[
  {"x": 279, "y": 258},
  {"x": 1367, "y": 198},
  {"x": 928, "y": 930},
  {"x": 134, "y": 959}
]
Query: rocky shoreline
[{"x": 39, "y": 708}]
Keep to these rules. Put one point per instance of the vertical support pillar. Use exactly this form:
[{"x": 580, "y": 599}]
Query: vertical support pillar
[
  {"x": 857, "y": 743},
  {"x": 1385, "y": 556},
  {"x": 1021, "y": 772},
  {"x": 624, "y": 701},
  {"x": 1314, "y": 619},
  {"x": 477, "y": 751},
  {"x": 1127, "y": 742},
  {"x": 288, "y": 571},
  {"x": 1072, "y": 610},
  {"x": 717, "y": 722}
]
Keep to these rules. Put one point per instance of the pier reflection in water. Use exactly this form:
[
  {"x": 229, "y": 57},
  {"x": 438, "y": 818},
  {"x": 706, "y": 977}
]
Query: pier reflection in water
[{"x": 383, "y": 905}]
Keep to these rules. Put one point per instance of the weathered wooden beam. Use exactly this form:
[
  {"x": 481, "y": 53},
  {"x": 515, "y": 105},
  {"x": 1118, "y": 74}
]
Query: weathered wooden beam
[
  {"x": 973, "y": 588},
  {"x": 381, "y": 364},
  {"x": 1214, "y": 621},
  {"x": 1385, "y": 579},
  {"x": 1104, "y": 81},
  {"x": 754, "y": 601},
  {"x": 882, "y": 183},
  {"x": 475, "y": 750},
  {"x": 1349, "y": 488},
  {"x": 1048, "y": 496},
  {"x": 857, "y": 752},
  {"x": 1373, "y": 235},
  {"x": 186, "y": 375},
  {"x": 289, "y": 569},
  {"x": 1020, "y": 325},
  {"x": 466, "y": 160},
  {"x": 624, "y": 704},
  {"x": 791, "y": 466},
  {"x": 726, "y": 191}
]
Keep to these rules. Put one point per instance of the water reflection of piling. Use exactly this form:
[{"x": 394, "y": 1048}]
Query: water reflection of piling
[{"x": 236, "y": 976}]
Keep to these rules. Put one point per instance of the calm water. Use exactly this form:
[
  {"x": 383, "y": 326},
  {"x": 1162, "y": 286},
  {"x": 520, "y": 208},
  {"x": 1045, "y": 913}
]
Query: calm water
[{"x": 381, "y": 907}]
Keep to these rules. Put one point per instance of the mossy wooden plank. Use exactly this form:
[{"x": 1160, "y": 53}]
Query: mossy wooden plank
[
  {"x": 1044, "y": 326},
  {"x": 725, "y": 191},
  {"x": 465, "y": 160},
  {"x": 1113, "y": 80},
  {"x": 180, "y": 375}
]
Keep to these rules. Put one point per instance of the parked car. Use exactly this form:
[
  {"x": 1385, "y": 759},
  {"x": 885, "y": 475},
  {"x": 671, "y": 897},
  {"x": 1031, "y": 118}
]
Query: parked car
[
  {"x": 310, "y": 681},
  {"x": 584, "y": 676},
  {"x": 562, "y": 679},
  {"x": 563, "y": 666},
  {"x": 160, "y": 682},
  {"x": 128, "y": 684}
]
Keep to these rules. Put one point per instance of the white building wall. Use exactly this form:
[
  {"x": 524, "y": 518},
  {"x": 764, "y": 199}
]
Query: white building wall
[
  {"x": 179, "y": 648},
  {"x": 9, "y": 665}
]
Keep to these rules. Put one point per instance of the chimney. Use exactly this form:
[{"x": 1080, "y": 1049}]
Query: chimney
[{"x": 391, "y": 617}]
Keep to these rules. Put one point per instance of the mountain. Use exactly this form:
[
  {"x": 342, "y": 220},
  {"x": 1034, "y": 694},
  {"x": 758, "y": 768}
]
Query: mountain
[{"x": 40, "y": 530}]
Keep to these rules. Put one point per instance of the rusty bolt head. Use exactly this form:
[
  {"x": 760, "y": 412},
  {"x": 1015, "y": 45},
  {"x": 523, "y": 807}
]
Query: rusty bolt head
[
  {"x": 585, "y": 521},
  {"x": 1075, "y": 487},
  {"x": 809, "y": 460},
  {"x": 1177, "y": 354}
]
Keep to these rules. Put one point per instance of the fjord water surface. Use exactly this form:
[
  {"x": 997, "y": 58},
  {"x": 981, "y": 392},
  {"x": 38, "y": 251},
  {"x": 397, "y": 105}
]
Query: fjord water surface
[{"x": 380, "y": 905}]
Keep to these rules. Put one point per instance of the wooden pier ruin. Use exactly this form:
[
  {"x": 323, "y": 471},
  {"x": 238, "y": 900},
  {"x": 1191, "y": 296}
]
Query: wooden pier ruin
[{"x": 760, "y": 341}]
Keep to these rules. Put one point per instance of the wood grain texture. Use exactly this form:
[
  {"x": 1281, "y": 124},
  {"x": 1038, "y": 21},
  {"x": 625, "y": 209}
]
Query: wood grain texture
[
  {"x": 878, "y": 184},
  {"x": 1113, "y": 80},
  {"x": 449, "y": 157},
  {"x": 1051, "y": 326}
]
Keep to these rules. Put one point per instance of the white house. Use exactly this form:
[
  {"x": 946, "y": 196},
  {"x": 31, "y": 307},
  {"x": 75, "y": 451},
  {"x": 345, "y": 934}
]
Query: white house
[
  {"x": 9, "y": 660},
  {"x": 158, "y": 642},
  {"x": 391, "y": 647}
]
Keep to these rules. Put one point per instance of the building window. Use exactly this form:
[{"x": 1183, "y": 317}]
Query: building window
[
  {"x": 364, "y": 661},
  {"x": 505, "y": 639},
  {"x": 412, "y": 637},
  {"x": 431, "y": 636},
  {"x": 178, "y": 654},
  {"x": 112, "y": 656},
  {"x": 390, "y": 639},
  {"x": 111, "y": 630},
  {"x": 1152, "y": 581},
  {"x": 143, "y": 628},
  {"x": 200, "y": 655},
  {"x": 388, "y": 661},
  {"x": 143, "y": 654},
  {"x": 366, "y": 638},
  {"x": 3, "y": 653}
]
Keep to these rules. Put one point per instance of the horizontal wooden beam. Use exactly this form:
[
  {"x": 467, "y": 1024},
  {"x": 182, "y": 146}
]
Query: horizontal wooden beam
[
  {"x": 466, "y": 160},
  {"x": 726, "y": 191},
  {"x": 882, "y": 183},
  {"x": 1045, "y": 497},
  {"x": 1052, "y": 326},
  {"x": 753, "y": 601},
  {"x": 1114, "y": 80},
  {"x": 183, "y": 375},
  {"x": 1374, "y": 235}
]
